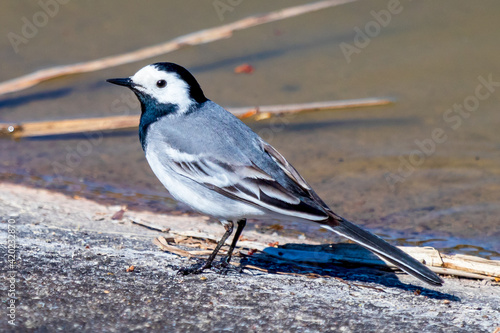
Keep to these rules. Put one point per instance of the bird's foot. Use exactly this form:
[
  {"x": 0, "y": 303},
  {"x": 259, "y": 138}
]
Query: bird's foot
[
  {"x": 220, "y": 266},
  {"x": 197, "y": 268},
  {"x": 223, "y": 267}
]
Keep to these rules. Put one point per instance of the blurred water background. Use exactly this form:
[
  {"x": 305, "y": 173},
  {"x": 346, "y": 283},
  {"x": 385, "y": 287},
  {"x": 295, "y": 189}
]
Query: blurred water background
[{"x": 423, "y": 171}]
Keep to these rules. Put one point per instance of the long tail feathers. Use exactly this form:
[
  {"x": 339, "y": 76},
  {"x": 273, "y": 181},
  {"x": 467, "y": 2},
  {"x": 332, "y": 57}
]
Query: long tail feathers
[{"x": 383, "y": 249}]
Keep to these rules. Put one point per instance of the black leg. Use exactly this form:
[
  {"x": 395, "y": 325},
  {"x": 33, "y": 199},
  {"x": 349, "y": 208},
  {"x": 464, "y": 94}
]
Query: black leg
[
  {"x": 195, "y": 269},
  {"x": 241, "y": 225},
  {"x": 237, "y": 234}
]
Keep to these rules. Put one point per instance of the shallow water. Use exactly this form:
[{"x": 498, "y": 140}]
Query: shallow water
[{"x": 416, "y": 172}]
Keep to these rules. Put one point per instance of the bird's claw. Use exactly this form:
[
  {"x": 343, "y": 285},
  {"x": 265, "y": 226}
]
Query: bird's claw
[
  {"x": 221, "y": 267},
  {"x": 193, "y": 269}
]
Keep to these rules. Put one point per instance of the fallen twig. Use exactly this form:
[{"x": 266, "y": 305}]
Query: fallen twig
[
  {"x": 57, "y": 127},
  {"x": 68, "y": 126},
  {"x": 200, "y": 235},
  {"x": 199, "y": 37},
  {"x": 245, "y": 112},
  {"x": 161, "y": 242},
  {"x": 151, "y": 226}
]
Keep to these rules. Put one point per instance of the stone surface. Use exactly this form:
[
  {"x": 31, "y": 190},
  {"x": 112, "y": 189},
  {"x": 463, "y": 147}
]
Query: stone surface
[{"x": 72, "y": 276}]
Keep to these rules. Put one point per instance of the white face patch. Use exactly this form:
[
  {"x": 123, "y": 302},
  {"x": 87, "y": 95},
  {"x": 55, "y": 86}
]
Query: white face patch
[{"x": 176, "y": 91}]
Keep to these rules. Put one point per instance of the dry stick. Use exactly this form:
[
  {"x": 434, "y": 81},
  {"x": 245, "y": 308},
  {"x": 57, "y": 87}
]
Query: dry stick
[
  {"x": 295, "y": 108},
  {"x": 196, "y": 38},
  {"x": 162, "y": 244},
  {"x": 204, "y": 236},
  {"x": 57, "y": 127},
  {"x": 151, "y": 226}
]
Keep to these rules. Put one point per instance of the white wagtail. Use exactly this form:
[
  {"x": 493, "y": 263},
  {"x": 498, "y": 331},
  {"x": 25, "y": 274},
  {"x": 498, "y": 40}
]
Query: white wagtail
[{"x": 211, "y": 161}]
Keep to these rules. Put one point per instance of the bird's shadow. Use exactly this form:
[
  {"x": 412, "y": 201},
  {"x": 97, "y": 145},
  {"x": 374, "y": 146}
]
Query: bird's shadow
[{"x": 348, "y": 272}]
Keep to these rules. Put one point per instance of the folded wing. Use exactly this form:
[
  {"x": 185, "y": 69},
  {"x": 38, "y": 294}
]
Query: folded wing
[{"x": 249, "y": 183}]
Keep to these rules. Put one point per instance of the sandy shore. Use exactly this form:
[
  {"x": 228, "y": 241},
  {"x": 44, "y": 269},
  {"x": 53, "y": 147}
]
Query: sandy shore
[{"x": 71, "y": 275}]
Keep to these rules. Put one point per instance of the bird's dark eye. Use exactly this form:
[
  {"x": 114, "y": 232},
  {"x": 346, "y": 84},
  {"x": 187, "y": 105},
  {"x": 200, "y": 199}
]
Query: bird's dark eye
[{"x": 161, "y": 83}]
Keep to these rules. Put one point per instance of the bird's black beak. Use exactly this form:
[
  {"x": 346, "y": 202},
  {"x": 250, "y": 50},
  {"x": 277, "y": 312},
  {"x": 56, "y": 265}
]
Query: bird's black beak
[{"x": 127, "y": 82}]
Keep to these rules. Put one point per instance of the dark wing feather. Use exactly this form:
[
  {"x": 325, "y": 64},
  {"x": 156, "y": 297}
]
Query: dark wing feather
[
  {"x": 250, "y": 184},
  {"x": 294, "y": 175}
]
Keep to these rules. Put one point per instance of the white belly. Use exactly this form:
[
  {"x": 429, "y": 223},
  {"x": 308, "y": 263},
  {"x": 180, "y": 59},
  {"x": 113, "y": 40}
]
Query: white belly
[{"x": 198, "y": 197}]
